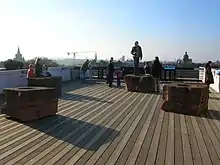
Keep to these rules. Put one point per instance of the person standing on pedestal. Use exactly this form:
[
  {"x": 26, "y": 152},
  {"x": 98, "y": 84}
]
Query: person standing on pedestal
[{"x": 137, "y": 54}]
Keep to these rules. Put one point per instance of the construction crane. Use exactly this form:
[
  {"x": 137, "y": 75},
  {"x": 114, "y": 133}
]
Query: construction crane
[{"x": 74, "y": 54}]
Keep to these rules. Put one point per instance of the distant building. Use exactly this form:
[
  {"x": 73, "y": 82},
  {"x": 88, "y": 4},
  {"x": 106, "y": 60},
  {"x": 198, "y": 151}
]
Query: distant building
[
  {"x": 18, "y": 56},
  {"x": 96, "y": 57},
  {"x": 123, "y": 58}
]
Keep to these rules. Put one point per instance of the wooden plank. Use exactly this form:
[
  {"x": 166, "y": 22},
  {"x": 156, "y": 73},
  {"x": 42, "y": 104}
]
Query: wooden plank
[
  {"x": 20, "y": 125},
  {"x": 113, "y": 158},
  {"x": 118, "y": 125},
  {"x": 202, "y": 147},
  {"x": 187, "y": 153},
  {"x": 137, "y": 142},
  {"x": 154, "y": 145},
  {"x": 60, "y": 147},
  {"x": 65, "y": 96},
  {"x": 214, "y": 116},
  {"x": 73, "y": 151},
  {"x": 31, "y": 131},
  {"x": 142, "y": 156},
  {"x": 74, "y": 96},
  {"x": 170, "y": 142},
  {"x": 178, "y": 147},
  {"x": 78, "y": 134},
  {"x": 211, "y": 123},
  {"x": 161, "y": 154},
  {"x": 213, "y": 127},
  {"x": 186, "y": 131},
  {"x": 76, "y": 157},
  {"x": 103, "y": 118},
  {"x": 68, "y": 148},
  {"x": 41, "y": 134},
  {"x": 131, "y": 111},
  {"x": 192, "y": 139},
  {"x": 73, "y": 105},
  {"x": 208, "y": 141}
]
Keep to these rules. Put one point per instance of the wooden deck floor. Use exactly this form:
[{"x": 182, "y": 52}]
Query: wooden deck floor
[{"x": 101, "y": 125}]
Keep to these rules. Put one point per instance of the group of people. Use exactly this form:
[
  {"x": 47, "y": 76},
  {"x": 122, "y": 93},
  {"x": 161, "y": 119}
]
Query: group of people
[
  {"x": 136, "y": 51},
  {"x": 38, "y": 70},
  {"x": 155, "y": 70},
  {"x": 111, "y": 72}
]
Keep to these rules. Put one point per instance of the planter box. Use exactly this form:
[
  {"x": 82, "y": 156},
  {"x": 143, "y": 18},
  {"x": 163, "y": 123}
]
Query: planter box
[
  {"x": 186, "y": 98},
  {"x": 30, "y": 103},
  {"x": 54, "y": 82},
  {"x": 144, "y": 83}
]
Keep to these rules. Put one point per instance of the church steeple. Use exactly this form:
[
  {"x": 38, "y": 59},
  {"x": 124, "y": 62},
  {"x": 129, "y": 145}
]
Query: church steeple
[
  {"x": 18, "y": 56},
  {"x": 18, "y": 52}
]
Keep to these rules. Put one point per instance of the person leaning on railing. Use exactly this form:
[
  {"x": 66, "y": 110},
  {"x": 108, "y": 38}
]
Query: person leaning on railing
[{"x": 83, "y": 69}]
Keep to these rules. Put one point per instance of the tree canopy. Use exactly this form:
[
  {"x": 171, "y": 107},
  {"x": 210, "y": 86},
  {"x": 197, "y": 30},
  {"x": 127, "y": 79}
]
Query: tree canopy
[
  {"x": 44, "y": 61},
  {"x": 13, "y": 64}
]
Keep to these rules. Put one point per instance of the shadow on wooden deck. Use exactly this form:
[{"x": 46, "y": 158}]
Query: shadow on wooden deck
[
  {"x": 74, "y": 131},
  {"x": 82, "y": 98}
]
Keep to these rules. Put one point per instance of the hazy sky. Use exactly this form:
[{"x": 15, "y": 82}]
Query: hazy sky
[{"x": 164, "y": 28}]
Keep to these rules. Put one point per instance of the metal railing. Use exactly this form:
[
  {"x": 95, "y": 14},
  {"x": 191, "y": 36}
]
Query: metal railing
[{"x": 189, "y": 74}]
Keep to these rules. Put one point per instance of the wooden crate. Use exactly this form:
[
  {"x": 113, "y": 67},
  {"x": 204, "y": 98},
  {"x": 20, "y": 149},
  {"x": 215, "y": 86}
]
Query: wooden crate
[
  {"x": 186, "y": 98},
  {"x": 54, "y": 82},
  {"x": 144, "y": 83},
  {"x": 30, "y": 103}
]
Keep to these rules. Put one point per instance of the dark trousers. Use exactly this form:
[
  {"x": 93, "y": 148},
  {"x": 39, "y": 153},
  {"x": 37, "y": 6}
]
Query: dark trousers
[
  {"x": 136, "y": 64},
  {"x": 110, "y": 79},
  {"x": 37, "y": 74},
  {"x": 118, "y": 82},
  {"x": 107, "y": 79}
]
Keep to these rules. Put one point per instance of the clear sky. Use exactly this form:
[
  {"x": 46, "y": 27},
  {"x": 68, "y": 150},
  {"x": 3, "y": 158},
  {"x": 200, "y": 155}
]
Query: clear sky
[{"x": 164, "y": 28}]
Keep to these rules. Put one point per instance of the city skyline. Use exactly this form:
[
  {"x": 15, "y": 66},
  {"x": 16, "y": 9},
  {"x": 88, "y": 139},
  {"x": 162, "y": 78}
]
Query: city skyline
[{"x": 53, "y": 28}]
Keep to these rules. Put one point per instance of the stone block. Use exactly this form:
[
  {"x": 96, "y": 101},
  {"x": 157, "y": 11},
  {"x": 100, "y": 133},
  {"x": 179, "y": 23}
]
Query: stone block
[
  {"x": 186, "y": 98},
  {"x": 144, "y": 83},
  {"x": 54, "y": 82},
  {"x": 30, "y": 103}
]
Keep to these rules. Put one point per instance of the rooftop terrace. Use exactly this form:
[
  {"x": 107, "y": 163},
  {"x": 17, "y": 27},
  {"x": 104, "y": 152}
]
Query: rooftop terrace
[{"x": 100, "y": 125}]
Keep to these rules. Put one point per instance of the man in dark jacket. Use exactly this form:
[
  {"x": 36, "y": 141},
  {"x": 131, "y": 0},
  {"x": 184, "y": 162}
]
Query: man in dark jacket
[
  {"x": 38, "y": 67},
  {"x": 83, "y": 69},
  {"x": 156, "y": 72},
  {"x": 137, "y": 54},
  {"x": 110, "y": 72}
]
